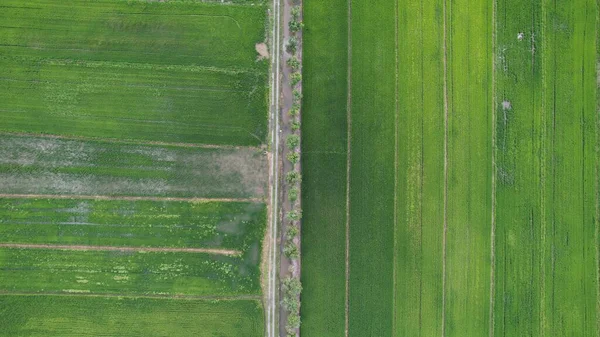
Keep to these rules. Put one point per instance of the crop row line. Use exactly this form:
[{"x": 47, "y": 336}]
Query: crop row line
[{"x": 229, "y": 252}]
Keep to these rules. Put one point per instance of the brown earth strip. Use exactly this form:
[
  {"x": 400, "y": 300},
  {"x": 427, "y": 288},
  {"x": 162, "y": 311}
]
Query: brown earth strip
[
  {"x": 125, "y": 141},
  {"x": 124, "y": 249},
  {"x": 127, "y": 198},
  {"x": 152, "y": 296}
]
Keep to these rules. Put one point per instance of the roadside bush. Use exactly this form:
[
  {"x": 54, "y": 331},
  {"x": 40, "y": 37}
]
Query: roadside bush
[
  {"x": 295, "y": 25},
  {"x": 294, "y": 215},
  {"x": 296, "y": 11},
  {"x": 293, "y": 177},
  {"x": 297, "y": 95},
  {"x": 292, "y": 46},
  {"x": 291, "y": 304},
  {"x": 293, "y": 63},
  {"x": 295, "y": 78},
  {"x": 295, "y": 125},
  {"x": 293, "y": 194},
  {"x": 291, "y": 250},
  {"x": 292, "y": 231},
  {"x": 293, "y": 322},
  {"x": 292, "y": 286},
  {"x": 293, "y": 157},
  {"x": 293, "y": 141}
]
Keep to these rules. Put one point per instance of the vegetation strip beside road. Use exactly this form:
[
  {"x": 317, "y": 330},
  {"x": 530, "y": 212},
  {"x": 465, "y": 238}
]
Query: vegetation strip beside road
[{"x": 128, "y": 198}]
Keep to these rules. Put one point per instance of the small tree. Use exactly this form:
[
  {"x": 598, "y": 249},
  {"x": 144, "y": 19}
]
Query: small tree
[
  {"x": 297, "y": 95},
  {"x": 293, "y": 194},
  {"x": 294, "y": 215},
  {"x": 296, "y": 11},
  {"x": 295, "y": 78},
  {"x": 292, "y": 231},
  {"x": 291, "y": 250},
  {"x": 295, "y": 125},
  {"x": 293, "y": 63},
  {"x": 293, "y": 177},
  {"x": 296, "y": 25},
  {"x": 292, "y": 45},
  {"x": 293, "y": 157},
  {"x": 293, "y": 141},
  {"x": 292, "y": 286}
]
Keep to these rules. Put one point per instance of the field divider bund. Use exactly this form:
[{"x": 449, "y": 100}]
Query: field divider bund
[
  {"x": 129, "y": 141},
  {"x": 150, "y": 296},
  {"x": 124, "y": 249},
  {"x": 127, "y": 198}
]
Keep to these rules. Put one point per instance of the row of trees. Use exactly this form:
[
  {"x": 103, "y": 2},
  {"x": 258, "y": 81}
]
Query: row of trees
[{"x": 291, "y": 284}]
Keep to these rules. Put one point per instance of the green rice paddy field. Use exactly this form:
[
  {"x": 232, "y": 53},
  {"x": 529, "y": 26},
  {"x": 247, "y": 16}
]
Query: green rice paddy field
[
  {"x": 132, "y": 170},
  {"x": 473, "y": 185}
]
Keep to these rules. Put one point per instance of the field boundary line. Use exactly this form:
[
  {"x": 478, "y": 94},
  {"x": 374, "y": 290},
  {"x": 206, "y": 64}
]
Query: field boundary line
[
  {"x": 493, "y": 212},
  {"x": 149, "y": 296},
  {"x": 348, "y": 162},
  {"x": 127, "y": 141},
  {"x": 215, "y": 251},
  {"x": 445, "y": 62},
  {"x": 396, "y": 139},
  {"x": 126, "y": 198}
]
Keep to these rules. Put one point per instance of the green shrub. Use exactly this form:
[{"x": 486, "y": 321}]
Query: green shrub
[
  {"x": 297, "y": 95},
  {"x": 294, "y": 215},
  {"x": 295, "y": 126},
  {"x": 292, "y": 286},
  {"x": 293, "y": 141},
  {"x": 293, "y": 194},
  {"x": 293, "y": 157},
  {"x": 292, "y": 231},
  {"x": 296, "y": 11},
  {"x": 293, "y": 63},
  {"x": 295, "y": 78},
  {"x": 295, "y": 26},
  {"x": 293, "y": 177},
  {"x": 291, "y": 250},
  {"x": 292, "y": 45}
]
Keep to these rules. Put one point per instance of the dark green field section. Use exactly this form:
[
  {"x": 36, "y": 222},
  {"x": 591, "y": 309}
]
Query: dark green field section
[
  {"x": 372, "y": 147},
  {"x": 227, "y": 225},
  {"x": 128, "y": 273},
  {"x": 172, "y": 71},
  {"x": 75, "y": 316},
  {"x": 324, "y": 159},
  {"x": 43, "y": 165}
]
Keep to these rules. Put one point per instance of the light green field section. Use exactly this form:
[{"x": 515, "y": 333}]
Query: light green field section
[
  {"x": 227, "y": 225},
  {"x": 469, "y": 183},
  {"x": 324, "y": 165},
  {"x": 157, "y": 71},
  {"x": 75, "y": 316},
  {"x": 128, "y": 273},
  {"x": 372, "y": 147},
  {"x": 420, "y": 170},
  {"x": 42, "y": 165}
]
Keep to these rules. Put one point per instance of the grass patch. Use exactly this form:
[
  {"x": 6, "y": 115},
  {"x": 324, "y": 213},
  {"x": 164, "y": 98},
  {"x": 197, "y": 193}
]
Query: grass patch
[
  {"x": 128, "y": 273},
  {"x": 227, "y": 225},
  {"x": 174, "y": 71},
  {"x": 71, "y": 316}
]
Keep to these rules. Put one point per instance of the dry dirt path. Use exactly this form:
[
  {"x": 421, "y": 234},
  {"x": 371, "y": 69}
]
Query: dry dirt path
[
  {"x": 228, "y": 252},
  {"x": 127, "y": 198}
]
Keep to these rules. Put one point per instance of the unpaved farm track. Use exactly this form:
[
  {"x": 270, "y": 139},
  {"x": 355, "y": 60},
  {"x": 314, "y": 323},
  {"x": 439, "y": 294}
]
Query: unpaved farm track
[
  {"x": 151, "y": 296},
  {"x": 123, "y": 249},
  {"x": 127, "y": 198}
]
